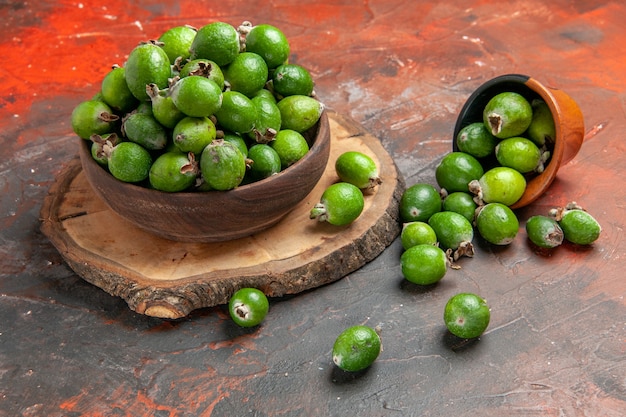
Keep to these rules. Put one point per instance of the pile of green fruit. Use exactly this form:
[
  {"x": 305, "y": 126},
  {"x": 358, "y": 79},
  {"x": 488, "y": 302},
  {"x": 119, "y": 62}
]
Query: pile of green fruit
[{"x": 202, "y": 109}]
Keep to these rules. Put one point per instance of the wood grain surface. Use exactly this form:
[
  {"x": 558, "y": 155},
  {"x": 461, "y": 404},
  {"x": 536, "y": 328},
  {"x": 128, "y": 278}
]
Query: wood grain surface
[
  {"x": 163, "y": 278},
  {"x": 556, "y": 344}
]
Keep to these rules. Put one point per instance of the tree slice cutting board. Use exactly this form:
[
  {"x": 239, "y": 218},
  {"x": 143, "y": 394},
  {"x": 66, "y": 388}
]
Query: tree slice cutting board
[{"x": 162, "y": 278}]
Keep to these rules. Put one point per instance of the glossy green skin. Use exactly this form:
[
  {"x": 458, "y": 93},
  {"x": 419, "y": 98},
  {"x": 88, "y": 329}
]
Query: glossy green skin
[
  {"x": 356, "y": 168},
  {"x": 518, "y": 153},
  {"x": 206, "y": 68},
  {"x": 291, "y": 146},
  {"x": 237, "y": 113},
  {"x": 269, "y": 42},
  {"x": 177, "y": 41},
  {"x": 476, "y": 140},
  {"x": 196, "y": 96},
  {"x": 247, "y": 73},
  {"x": 217, "y": 41},
  {"x": 340, "y": 204},
  {"x": 430, "y": 203},
  {"x": 86, "y": 119},
  {"x": 115, "y": 91},
  {"x": 580, "y": 227},
  {"x": 466, "y": 315},
  {"x": 147, "y": 64},
  {"x": 222, "y": 165},
  {"x": 292, "y": 79},
  {"x": 417, "y": 233},
  {"x": 248, "y": 307},
  {"x": 542, "y": 128},
  {"x": 238, "y": 141},
  {"x": 356, "y": 348},
  {"x": 424, "y": 264},
  {"x": 265, "y": 161},
  {"x": 165, "y": 111},
  {"x": 299, "y": 113},
  {"x": 514, "y": 110},
  {"x": 456, "y": 170},
  {"x": 502, "y": 185},
  {"x": 193, "y": 134},
  {"x": 166, "y": 175},
  {"x": 268, "y": 118},
  {"x": 544, "y": 231},
  {"x": 145, "y": 130},
  {"x": 130, "y": 162},
  {"x": 497, "y": 224},
  {"x": 451, "y": 229},
  {"x": 462, "y": 203}
]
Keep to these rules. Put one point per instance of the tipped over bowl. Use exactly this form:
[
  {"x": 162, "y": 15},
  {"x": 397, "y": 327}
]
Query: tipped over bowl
[{"x": 568, "y": 123}]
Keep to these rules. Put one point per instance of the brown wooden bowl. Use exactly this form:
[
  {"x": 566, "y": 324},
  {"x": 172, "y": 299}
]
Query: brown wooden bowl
[
  {"x": 213, "y": 216},
  {"x": 568, "y": 120}
]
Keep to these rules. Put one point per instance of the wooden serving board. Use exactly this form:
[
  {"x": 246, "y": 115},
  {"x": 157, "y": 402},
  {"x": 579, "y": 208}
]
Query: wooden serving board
[{"x": 167, "y": 279}]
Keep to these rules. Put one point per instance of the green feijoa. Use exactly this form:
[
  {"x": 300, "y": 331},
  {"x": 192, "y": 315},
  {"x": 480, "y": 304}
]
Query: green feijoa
[
  {"x": 129, "y": 162},
  {"x": 462, "y": 203},
  {"x": 456, "y": 170},
  {"x": 424, "y": 264},
  {"x": 542, "y": 128},
  {"x": 359, "y": 169},
  {"x": 417, "y": 233},
  {"x": 196, "y": 96},
  {"x": 265, "y": 162},
  {"x": 144, "y": 107},
  {"x": 115, "y": 91},
  {"x": 497, "y": 224},
  {"x": 544, "y": 231},
  {"x": 466, "y": 315},
  {"x": 268, "y": 121},
  {"x": 204, "y": 68},
  {"x": 163, "y": 108},
  {"x": 518, "y": 153},
  {"x": 499, "y": 185},
  {"x": 176, "y": 42},
  {"x": 147, "y": 64},
  {"x": 97, "y": 155},
  {"x": 93, "y": 117},
  {"x": 290, "y": 146},
  {"x": 299, "y": 113},
  {"x": 222, "y": 165},
  {"x": 217, "y": 41},
  {"x": 173, "y": 172},
  {"x": 507, "y": 114},
  {"x": 453, "y": 230},
  {"x": 237, "y": 113},
  {"x": 236, "y": 140},
  {"x": 476, "y": 140},
  {"x": 248, "y": 307},
  {"x": 247, "y": 73},
  {"x": 340, "y": 204},
  {"x": 419, "y": 202},
  {"x": 101, "y": 146},
  {"x": 356, "y": 348},
  {"x": 292, "y": 79},
  {"x": 145, "y": 130},
  {"x": 579, "y": 227},
  {"x": 193, "y": 134},
  {"x": 269, "y": 42},
  {"x": 266, "y": 94}
]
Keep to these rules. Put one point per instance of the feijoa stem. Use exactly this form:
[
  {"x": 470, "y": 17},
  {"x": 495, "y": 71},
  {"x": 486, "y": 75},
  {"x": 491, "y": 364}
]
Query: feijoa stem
[{"x": 319, "y": 212}]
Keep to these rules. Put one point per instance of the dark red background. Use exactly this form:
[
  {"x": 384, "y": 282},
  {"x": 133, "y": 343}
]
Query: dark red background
[{"x": 556, "y": 345}]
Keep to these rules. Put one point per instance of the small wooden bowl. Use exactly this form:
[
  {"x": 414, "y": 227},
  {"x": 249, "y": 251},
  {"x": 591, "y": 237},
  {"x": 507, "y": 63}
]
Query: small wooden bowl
[
  {"x": 213, "y": 216},
  {"x": 568, "y": 120}
]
